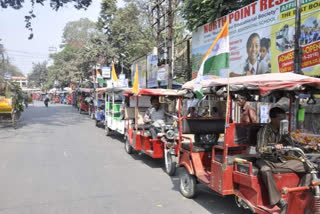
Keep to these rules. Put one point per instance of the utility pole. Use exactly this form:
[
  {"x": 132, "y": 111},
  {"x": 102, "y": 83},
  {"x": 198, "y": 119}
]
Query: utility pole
[
  {"x": 297, "y": 49},
  {"x": 163, "y": 12},
  {"x": 297, "y": 59},
  {"x": 171, "y": 9},
  {"x": 189, "y": 74}
]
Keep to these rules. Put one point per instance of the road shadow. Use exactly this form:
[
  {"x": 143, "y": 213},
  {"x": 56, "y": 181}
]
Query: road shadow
[
  {"x": 117, "y": 136},
  {"x": 147, "y": 160},
  {"x": 210, "y": 200},
  {"x": 205, "y": 197}
]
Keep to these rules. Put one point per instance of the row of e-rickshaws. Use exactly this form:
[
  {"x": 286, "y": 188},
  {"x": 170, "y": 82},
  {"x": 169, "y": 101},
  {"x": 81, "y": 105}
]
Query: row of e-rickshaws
[{"x": 214, "y": 148}]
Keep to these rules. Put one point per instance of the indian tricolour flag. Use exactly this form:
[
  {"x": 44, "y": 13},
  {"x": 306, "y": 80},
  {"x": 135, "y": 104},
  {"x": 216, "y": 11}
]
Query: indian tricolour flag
[{"x": 215, "y": 59}]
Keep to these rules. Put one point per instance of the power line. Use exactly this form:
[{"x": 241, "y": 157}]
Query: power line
[{"x": 27, "y": 52}]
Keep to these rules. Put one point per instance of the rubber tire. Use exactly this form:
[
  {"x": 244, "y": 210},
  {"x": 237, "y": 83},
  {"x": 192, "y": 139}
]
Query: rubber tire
[
  {"x": 97, "y": 123},
  {"x": 171, "y": 165},
  {"x": 107, "y": 131},
  {"x": 186, "y": 179},
  {"x": 128, "y": 147}
]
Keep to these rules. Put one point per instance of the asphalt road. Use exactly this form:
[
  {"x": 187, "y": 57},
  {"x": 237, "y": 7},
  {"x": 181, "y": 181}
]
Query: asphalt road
[{"x": 57, "y": 161}]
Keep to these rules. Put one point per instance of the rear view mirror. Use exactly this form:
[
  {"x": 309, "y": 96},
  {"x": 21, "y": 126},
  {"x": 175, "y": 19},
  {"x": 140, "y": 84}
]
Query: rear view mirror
[
  {"x": 311, "y": 100},
  {"x": 284, "y": 127}
]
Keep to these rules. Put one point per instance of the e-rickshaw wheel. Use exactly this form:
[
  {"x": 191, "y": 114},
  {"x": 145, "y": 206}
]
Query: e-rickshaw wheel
[
  {"x": 107, "y": 130},
  {"x": 188, "y": 184},
  {"x": 128, "y": 147},
  {"x": 170, "y": 163}
]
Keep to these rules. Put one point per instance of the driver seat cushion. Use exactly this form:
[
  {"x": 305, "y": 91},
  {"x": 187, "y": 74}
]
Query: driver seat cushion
[
  {"x": 244, "y": 168},
  {"x": 197, "y": 147}
]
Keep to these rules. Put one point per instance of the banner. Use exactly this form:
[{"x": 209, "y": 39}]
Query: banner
[
  {"x": 152, "y": 70},
  {"x": 106, "y": 72},
  {"x": 142, "y": 68},
  {"x": 262, "y": 38}
]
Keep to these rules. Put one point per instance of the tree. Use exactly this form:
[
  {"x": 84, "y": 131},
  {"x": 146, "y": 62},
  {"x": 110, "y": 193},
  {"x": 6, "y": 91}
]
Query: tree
[
  {"x": 83, "y": 46},
  {"x": 200, "y": 12},
  {"x": 6, "y": 66},
  {"x": 54, "y": 4},
  {"x": 78, "y": 32},
  {"x": 38, "y": 75},
  {"x": 128, "y": 29}
]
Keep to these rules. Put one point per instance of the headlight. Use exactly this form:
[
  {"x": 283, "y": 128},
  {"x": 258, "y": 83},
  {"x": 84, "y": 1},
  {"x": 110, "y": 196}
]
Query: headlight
[{"x": 170, "y": 134}]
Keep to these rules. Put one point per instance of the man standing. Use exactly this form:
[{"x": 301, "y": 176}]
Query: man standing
[
  {"x": 269, "y": 164},
  {"x": 247, "y": 113}
]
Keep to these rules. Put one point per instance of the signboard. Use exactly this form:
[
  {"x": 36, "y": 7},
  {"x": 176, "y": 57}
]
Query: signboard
[
  {"x": 106, "y": 72},
  {"x": 7, "y": 76},
  {"x": 152, "y": 70},
  {"x": 162, "y": 73},
  {"x": 142, "y": 67},
  {"x": 264, "y": 114},
  {"x": 261, "y": 38}
]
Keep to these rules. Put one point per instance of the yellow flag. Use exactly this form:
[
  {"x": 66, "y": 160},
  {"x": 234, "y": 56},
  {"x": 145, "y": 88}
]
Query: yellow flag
[
  {"x": 114, "y": 74},
  {"x": 135, "y": 88}
]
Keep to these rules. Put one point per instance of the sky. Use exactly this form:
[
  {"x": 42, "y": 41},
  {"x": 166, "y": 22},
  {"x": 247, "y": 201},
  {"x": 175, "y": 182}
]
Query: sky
[{"x": 47, "y": 29}]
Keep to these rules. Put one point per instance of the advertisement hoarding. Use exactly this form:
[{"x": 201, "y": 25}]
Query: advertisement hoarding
[
  {"x": 142, "y": 67},
  {"x": 152, "y": 70},
  {"x": 261, "y": 38}
]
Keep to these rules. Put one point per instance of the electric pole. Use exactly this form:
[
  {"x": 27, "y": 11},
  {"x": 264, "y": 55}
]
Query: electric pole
[
  {"x": 171, "y": 7},
  {"x": 297, "y": 49},
  {"x": 163, "y": 13}
]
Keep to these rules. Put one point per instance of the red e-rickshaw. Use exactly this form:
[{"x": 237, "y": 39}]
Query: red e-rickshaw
[
  {"x": 137, "y": 135},
  {"x": 69, "y": 99},
  {"x": 228, "y": 166},
  {"x": 84, "y": 98}
]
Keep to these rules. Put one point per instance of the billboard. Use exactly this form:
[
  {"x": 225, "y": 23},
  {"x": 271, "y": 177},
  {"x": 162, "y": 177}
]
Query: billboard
[
  {"x": 261, "y": 38},
  {"x": 142, "y": 67},
  {"x": 152, "y": 70}
]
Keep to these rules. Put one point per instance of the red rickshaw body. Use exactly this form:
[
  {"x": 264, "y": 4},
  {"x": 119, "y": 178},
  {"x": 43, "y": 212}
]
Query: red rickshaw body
[
  {"x": 136, "y": 134},
  {"x": 229, "y": 169},
  {"x": 56, "y": 99},
  {"x": 84, "y": 92},
  {"x": 69, "y": 99}
]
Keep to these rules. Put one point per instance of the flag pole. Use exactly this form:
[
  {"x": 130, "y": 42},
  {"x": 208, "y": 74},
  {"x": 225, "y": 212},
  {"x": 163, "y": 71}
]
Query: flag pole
[{"x": 227, "y": 119}]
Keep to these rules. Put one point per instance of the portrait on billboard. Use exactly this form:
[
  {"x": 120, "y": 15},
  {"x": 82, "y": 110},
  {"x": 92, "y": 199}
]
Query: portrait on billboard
[{"x": 256, "y": 57}]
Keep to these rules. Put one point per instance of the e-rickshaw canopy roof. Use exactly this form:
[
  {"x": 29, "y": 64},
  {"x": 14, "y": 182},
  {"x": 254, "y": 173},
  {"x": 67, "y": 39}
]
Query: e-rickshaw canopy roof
[
  {"x": 156, "y": 92},
  {"x": 265, "y": 83},
  {"x": 112, "y": 89},
  {"x": 86, "y": 90}
]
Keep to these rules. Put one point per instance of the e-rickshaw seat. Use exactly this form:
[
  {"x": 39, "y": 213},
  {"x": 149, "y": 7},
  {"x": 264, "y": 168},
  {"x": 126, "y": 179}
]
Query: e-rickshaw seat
[
  {"x": 203, "y": 126},
  {"x": 196, "y": 147},
  {"x": 242, "y": 167}
]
